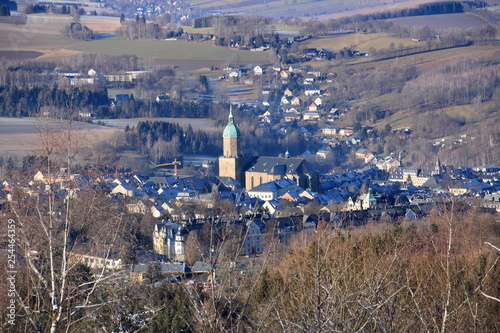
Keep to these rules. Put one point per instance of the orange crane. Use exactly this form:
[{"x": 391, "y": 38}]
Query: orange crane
[{"x": 175, "y": 163}]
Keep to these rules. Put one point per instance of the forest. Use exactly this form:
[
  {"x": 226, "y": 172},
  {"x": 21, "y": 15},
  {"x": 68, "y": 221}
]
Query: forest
[
  {"x": 30, "y": 101},
  {"x": 163, "y": 141}
]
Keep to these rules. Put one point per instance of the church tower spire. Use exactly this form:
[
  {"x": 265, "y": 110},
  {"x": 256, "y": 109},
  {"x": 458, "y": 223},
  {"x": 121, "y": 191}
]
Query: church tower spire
[
  {"x": 231, "y": 162},
  {"x": 231, "y": 137}
]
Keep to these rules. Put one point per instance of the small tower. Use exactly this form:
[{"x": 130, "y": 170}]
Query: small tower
[
  {"x": 438, "y": 169},
  {"x": 230, "y": 163},
  {"x": 180, "y": 244},
  {"x": 287, "y": 154}
]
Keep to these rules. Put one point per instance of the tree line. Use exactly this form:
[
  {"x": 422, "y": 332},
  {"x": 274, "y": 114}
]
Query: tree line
[
  {"x": 52, "y": 9},
  {"x": 28, "y": 101},
  {"x": 78, "y": 31},
  {"x": 163, "y": 141},
  {"x": 176, "y": 109},
  {"x": 140, "y": 29},
  {"x": 11, "y": 5},
  {"x": 4, "y": 10}
]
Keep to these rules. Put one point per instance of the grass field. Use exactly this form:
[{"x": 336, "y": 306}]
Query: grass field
[
  {"x": 101, "y": 23},
  {"x": 467, "y": 112},
  {"x": 31, "y": 38},
  {"x": 431, "y": 60},
  {"x": 446, "y": 21},
  {"x": 166, "y": 49},
  {"x": 360, "y": 41}
]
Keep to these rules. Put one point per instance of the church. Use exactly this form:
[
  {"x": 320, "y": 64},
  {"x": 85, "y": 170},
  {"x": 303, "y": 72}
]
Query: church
[{"x": 263, "y": 169}]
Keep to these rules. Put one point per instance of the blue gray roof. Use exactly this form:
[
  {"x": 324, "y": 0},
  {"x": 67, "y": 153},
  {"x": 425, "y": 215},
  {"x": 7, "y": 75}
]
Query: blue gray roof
[
  {"x": 231, "y": 130},
  {"x": 282, "y": 166}
]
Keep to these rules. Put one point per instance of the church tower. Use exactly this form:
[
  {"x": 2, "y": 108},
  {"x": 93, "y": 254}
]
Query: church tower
[
  {"x": 438, "y": 169},
  {"x": 230, "y": 163}
]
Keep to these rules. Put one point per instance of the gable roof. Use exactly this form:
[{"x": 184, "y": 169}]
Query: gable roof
[{"x": 282, "y": 166}]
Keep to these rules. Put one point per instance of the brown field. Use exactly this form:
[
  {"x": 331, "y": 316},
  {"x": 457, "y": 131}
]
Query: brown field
[
  {"x": 15, "y": 55},
  {"x": 51, "y": 23},
  {"x": 13, "y": 19},
  {"x": 31, "y": 38},
  {"x": 21, "y": 136},
  {"x": 101, "y": 23},
  {"x": 58, "y": 54},
  {"x": 445, "y": 21}
]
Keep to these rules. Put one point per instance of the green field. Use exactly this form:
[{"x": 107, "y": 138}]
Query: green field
[{"x": 166, "y": 49}]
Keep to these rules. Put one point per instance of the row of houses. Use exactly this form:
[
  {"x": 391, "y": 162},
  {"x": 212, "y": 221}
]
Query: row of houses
[{"x": 94, "y": 76}]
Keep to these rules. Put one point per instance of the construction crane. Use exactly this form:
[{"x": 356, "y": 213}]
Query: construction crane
[{"x": 175, "y": 163}]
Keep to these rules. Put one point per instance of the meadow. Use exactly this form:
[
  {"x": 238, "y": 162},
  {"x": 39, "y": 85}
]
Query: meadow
[
  {"x": 445, "y": 21},
  {"x": 360, "y": 41},
  {"x": 101, "y": 24},
  {"x": 166, "y": 49}
]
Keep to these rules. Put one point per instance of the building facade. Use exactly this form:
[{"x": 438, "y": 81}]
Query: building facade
[{"x": 169, "y": 239}]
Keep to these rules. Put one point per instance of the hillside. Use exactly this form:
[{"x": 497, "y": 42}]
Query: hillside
[{"x": 322, "y": 9}]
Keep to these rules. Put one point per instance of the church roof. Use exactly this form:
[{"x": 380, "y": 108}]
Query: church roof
[
  {"x": 282, "y": 166},
  {"x": 231, "y": 130}
]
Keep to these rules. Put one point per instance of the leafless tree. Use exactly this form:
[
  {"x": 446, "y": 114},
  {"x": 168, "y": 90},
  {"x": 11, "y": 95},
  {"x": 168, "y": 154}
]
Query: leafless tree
[{"x": 54, "y": 217}]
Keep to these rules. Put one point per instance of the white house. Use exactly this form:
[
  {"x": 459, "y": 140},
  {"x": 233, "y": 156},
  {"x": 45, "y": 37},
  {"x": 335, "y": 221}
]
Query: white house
[
  {"x": 254, "y": 240},
  {"x": 257, "y": 70}
]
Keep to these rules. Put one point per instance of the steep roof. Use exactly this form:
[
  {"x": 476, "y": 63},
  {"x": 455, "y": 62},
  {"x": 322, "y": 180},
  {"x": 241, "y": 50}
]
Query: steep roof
[
  {"x": 231, "y": 130},
  {"x": 282, "y": 166}
]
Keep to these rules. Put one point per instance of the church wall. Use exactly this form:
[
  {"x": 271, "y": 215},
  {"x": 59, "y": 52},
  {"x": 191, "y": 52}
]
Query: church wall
[
  {"x": 230, "y": 146},
  {"x": 230, "y": 167},
  {"x": 258, "y": 179}
]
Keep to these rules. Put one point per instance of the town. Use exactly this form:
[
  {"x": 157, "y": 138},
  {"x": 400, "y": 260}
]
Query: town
[
  {"x": 267, "y": 197},
  {"x": 214, "y": 166}
]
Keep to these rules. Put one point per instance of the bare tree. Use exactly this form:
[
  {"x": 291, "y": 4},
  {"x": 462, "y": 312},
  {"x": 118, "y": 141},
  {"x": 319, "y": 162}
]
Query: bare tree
[{"x": 54, "y": 217}]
